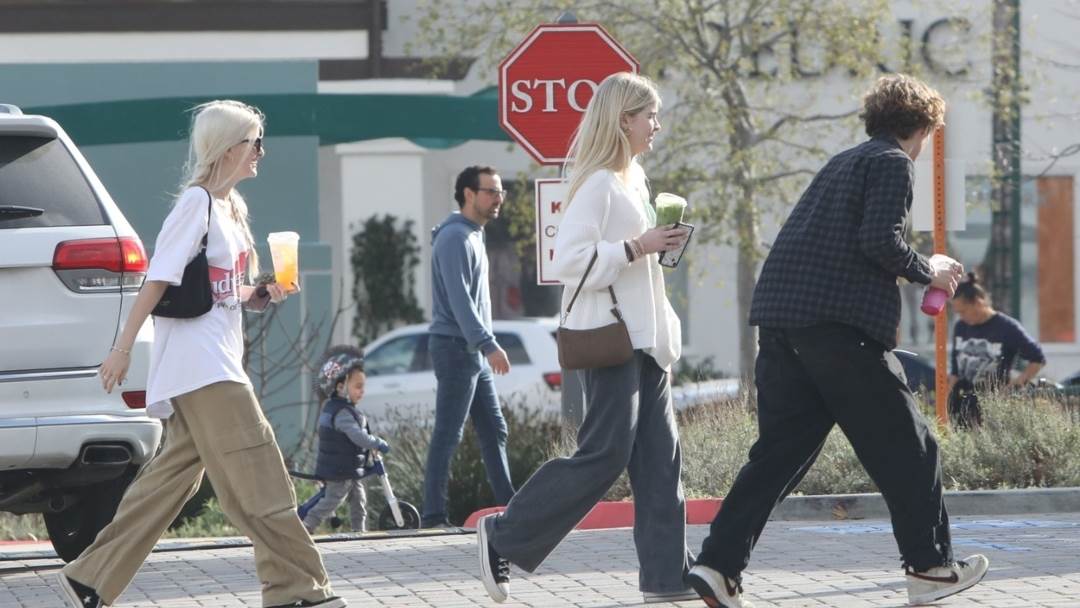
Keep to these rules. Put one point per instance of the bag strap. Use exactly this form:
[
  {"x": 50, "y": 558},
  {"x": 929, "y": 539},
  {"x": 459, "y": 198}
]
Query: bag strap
[
  {"x": 209, "y": 208},
  {"x": 611, "y": 291}
]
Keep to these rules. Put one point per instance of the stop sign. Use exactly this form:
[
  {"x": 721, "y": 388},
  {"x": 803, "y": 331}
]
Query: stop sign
[{"x": 547, "y": 81}]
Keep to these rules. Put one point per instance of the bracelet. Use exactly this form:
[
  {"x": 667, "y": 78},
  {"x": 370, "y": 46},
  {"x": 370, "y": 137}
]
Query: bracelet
[
  {"x": 629, "y": 251},
  {"x": 639, "y": 249},
  {"x": 120, "y": 350}
]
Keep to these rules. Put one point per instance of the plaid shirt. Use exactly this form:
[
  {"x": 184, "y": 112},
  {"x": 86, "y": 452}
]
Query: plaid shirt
[{"x": 838, "y": 255}]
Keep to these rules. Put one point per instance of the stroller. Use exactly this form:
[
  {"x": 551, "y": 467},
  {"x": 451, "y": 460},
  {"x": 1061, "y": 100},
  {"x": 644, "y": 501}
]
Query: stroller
[{"x": 399, "y": 515}]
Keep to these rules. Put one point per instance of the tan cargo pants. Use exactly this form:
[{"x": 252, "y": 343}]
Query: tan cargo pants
[{"x": 219, "y": 427}]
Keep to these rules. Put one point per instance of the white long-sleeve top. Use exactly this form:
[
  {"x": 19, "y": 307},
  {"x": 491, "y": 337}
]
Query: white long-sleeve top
[{"x": 603, "y": 213}]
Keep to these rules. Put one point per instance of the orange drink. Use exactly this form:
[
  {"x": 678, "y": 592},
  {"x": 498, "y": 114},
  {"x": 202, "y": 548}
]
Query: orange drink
[{"x": 284, "y": 251}]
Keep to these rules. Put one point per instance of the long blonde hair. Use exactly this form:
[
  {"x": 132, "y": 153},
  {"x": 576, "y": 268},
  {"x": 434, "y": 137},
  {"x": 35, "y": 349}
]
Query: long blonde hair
[
  {"x": 599, "y": 141},
  {"x": 217, "y": 126}
]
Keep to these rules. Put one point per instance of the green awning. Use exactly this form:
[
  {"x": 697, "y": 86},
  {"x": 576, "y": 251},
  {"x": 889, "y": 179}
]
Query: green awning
[{"x": 434, "y": 121}]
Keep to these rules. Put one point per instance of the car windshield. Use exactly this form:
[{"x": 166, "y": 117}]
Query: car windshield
[{"x": 395, "y": 357}]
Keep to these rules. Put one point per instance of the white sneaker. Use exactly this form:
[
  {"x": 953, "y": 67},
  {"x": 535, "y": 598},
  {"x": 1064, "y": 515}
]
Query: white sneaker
[
  {"x": 942, "y": 581},
  {"x": 494, "y": 569},
  {"x": 663, "y": 597},
  {"x": 717, "y": 590}
]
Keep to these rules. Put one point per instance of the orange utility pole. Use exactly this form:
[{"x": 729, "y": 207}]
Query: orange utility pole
[{"x": 941, "y": 327}]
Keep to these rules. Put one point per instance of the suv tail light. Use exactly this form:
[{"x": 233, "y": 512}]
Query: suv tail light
[
  {"x": 134, "y": 399},
  {"x": 553, "y": 380},
  {"x": 101, "y": 265}
]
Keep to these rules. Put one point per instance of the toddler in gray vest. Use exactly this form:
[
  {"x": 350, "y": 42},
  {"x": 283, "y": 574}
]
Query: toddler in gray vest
[{"x": 344, "y": 439}]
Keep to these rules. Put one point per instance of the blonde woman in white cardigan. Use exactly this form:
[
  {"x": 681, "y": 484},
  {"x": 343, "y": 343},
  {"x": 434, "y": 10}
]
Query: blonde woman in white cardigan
[{"x": 629, "y": 422}]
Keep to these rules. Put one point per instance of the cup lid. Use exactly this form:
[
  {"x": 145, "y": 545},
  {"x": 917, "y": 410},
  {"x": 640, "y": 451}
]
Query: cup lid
[
  {"x": 667, "y": 198},
  {"x": 283, "y": 236}
]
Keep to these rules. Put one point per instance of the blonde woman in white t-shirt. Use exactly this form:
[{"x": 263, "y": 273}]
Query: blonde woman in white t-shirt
[
  {"x": 197, "y": 383},
  {"x": 629, "y": 423}
]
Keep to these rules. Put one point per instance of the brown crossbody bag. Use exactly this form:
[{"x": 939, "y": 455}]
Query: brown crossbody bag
[{"x": 594, "y": 348}]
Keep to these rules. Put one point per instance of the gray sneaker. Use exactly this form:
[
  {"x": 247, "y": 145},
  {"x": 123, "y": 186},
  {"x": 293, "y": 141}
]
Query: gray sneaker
[{"x": 940, "y": 582}]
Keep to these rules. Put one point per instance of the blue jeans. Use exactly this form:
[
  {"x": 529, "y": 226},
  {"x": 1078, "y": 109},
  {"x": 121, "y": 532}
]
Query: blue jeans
[{"x": 466, "y": 388}]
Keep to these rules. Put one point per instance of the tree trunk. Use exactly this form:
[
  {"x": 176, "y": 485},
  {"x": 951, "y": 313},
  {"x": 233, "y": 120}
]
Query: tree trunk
[
  {"x": 746, "y": 218},
  {"x": 746, "y": 272},
  {"x": 998, "y": 267}
]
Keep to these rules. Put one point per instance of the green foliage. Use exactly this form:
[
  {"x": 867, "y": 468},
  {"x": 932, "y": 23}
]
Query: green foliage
[
  {"x": 22, "y": 527},
  {"x": 688, "y": 371},
  {"x": 1023, "y": 442},
  {"x": 531, "y": 435},
  {"x": 384, "y": 260}
]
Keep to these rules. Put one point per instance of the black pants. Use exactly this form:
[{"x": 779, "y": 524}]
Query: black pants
[{"x": 807, "y": 380}]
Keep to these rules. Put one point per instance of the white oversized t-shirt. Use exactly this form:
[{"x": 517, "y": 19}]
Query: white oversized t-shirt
[{"x": 191, "y": 353}]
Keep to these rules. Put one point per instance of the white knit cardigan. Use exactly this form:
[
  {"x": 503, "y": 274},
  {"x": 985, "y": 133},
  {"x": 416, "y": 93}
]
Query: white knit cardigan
[{"x": 603, "y": 213}]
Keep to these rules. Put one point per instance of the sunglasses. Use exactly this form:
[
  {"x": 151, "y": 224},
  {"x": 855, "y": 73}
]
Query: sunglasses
[{"x": 255, "y": 143}]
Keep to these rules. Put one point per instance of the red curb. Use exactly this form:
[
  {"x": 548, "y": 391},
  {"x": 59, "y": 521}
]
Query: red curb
[{"x": 607, "y": 515}]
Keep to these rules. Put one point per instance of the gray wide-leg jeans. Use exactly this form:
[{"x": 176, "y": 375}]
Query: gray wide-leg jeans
[{"x": 629, "y": 425}]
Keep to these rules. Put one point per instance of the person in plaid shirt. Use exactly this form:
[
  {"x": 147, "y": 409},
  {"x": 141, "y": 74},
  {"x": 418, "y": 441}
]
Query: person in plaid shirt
[{"x": 827, "y": 306}]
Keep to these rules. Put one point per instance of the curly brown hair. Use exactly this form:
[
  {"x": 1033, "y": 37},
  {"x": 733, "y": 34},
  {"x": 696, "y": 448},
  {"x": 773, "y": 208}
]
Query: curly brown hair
[{"x": 899, "y": 105}]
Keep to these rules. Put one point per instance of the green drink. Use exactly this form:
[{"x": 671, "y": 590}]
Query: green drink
[{"x": 669, "y": 209}]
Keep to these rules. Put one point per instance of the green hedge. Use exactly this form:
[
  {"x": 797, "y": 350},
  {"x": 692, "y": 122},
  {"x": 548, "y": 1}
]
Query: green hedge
[{"x": 1024, "y": 441}]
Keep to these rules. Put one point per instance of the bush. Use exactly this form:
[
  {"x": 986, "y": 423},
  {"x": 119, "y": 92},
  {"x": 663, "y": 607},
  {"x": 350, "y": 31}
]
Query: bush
[
  {"x": 1025, "y": 441},
  {"x": 531, "y": 437}
]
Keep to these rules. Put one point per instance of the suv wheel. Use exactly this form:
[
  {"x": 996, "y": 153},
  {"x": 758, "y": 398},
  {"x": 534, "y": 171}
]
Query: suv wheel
[{"x": 73, "y": 529}]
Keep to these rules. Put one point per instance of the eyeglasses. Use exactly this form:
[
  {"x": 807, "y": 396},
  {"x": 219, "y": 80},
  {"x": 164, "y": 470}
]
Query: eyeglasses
[
  {"x": 255, "y": 143},
  {"x": 493, "y": 192}
]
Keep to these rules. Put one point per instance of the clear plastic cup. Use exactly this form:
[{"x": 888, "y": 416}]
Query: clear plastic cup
[
  {"x": 284, "y": 251},
  {"x": 669, "y": 209}
]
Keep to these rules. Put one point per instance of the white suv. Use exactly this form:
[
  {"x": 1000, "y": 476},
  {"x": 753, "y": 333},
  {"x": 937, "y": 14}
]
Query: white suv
[
  {"x": 70, "y": 266},
  {"x": 400, "y": 376}
]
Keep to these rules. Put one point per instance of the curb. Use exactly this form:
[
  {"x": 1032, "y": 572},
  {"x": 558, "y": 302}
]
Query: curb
[
  {"x": 971, "y": 502},
  {"x": 834, "y": 507},
  {"x": 39, "y": 550}
]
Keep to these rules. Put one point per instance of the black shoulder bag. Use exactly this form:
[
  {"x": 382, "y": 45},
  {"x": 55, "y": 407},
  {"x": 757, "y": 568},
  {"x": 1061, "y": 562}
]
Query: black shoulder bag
[{"x": 192, "y": 297}]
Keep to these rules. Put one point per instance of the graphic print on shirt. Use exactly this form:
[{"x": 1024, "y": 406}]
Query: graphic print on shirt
[
  {"x": 225, "y": 283},
  {"x": 977, "y": 358}
]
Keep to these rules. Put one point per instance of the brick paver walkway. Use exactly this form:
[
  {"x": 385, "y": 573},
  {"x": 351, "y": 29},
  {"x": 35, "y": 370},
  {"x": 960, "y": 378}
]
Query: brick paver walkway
[{"x": 1035, "y": 561}]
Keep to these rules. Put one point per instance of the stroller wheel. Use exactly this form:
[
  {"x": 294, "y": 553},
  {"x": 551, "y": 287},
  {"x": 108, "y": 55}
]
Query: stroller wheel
[{"x": 409, "y": 513}]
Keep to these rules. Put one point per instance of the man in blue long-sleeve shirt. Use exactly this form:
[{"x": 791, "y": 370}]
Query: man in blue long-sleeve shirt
[
  {"x": 463, "y": 349},
  {"x": 828, "y": 307}
]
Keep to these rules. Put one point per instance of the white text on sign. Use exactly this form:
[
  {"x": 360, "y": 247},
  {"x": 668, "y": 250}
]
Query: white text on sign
[{"x": 520, "y": 89}]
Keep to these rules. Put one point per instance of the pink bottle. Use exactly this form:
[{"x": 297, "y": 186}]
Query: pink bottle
[{"x": 933, "y": 301}]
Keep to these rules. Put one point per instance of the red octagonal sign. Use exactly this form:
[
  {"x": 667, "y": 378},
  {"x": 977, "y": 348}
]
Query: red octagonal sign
[{"x": 546, "y": 82}]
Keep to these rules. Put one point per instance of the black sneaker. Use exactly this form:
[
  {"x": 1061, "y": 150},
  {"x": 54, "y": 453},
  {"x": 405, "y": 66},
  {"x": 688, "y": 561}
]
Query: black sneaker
[
  {"x": 494, "y": 570},
  {"x": 331, "y": 602},
  {"x": 717, "y": 590},
  {"x": 77, "y": 594}
]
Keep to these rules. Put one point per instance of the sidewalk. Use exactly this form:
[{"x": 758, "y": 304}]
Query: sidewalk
[{"x": 851, "y": 564}]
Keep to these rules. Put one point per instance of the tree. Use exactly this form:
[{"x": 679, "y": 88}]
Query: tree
[
  {"x": 742, "y": 79},
  {"x": 1002, "y": 263},
  {"x": 384, "y": 260}
]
